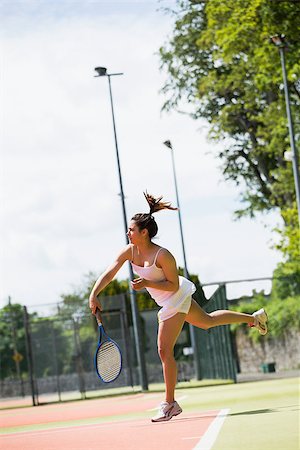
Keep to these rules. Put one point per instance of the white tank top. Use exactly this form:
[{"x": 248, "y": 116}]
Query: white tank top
[{"x": 154, "y": 273}]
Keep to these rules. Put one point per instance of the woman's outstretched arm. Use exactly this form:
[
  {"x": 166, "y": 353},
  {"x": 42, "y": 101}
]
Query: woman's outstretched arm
[{"x": 106, "y": 277}]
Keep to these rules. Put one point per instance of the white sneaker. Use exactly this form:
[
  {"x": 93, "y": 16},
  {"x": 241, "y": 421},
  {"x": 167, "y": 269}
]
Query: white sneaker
[
  {"x": 166, "y": 412},
  {"x": 260, "y": 321}
]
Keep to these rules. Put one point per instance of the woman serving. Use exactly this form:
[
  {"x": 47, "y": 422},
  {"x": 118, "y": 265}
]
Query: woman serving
[{"x": 157, "y": 271}]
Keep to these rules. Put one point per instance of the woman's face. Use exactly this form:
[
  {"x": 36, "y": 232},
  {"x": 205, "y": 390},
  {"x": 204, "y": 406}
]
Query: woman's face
[{"x": 134, "y": 234}]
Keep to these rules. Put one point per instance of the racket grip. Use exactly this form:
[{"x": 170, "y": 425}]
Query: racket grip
[{"x": 98, "y": 316}]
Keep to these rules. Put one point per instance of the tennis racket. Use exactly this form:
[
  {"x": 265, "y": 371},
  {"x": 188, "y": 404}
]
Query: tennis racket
[{"x": 108, "y": 357}]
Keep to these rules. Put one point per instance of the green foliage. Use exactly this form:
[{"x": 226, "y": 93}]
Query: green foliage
[
  {"x": 284, "y": 315},
  {"x": 12, "y": 337},
  {"x": 221, "y": 61},
  {"x": 77, "y": 301},
  {"x": 52, "y": 346},
  {"x": 287, "y": 274},
  {"x": 286, "y": 282},
  {"x": 145, "y": 301}
]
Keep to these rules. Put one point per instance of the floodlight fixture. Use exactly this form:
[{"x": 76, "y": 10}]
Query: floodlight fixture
[
  {"x": 279, "y": 40},
  {"x": 101, "y": 71},
  {"x": 168, "y": 144}
]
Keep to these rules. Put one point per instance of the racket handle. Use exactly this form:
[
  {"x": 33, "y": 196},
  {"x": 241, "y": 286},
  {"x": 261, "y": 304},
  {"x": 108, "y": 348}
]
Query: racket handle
[{"x": 98, "y": 316}]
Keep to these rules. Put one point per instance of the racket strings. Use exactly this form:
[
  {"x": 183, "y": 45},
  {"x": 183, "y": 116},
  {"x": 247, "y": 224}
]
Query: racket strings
[{"x": 108, "y": 361}]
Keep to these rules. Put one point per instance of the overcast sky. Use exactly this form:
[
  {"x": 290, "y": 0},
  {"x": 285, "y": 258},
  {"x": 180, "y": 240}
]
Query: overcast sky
[{"x": 61, "y": 211}]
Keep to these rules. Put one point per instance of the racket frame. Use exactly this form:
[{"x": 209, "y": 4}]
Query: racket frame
[{"x": 103, "y": 337}]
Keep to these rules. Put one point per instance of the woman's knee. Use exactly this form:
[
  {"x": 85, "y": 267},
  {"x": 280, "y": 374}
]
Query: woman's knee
[
  {"x": 204, "y": 323},
  {"x": 199, "y": 318},
  {"x": 165, "y": 353},
  {"x": 209, "y": 322}
]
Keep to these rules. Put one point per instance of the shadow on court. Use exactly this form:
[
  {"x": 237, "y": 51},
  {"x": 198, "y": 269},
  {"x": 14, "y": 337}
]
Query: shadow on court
[
  {"x": 201, "y": 418},
  {"x": 267, "y": 411}
]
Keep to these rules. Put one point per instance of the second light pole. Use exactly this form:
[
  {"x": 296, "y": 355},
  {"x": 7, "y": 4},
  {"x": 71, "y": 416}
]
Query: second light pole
[
  {"x": 102, "y": 72},
  {"x": 185, "y": 270}
]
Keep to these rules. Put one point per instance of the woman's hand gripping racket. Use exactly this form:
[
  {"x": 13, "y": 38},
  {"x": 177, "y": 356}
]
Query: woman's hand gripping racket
[{"x": 108, "y": 357}]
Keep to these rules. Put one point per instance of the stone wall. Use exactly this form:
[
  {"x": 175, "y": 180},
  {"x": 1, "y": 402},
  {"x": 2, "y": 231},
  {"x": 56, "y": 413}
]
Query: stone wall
[{"x": 283, "y": 351}]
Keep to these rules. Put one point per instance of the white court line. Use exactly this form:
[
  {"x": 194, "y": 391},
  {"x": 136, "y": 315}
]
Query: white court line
[
  {"x": 157, "y": 407},
  {"x": 211, "y": 434}
]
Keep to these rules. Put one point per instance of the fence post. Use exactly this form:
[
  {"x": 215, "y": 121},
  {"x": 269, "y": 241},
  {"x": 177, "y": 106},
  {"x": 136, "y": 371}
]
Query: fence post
[
  {"x": 126, "y": 338},
  {"x": 29, "y": 357},
  {"x": 79, "y": 364},
  {"x": 196, "y": 350},
  {"x": 16, "y": 353},
  {"x": 232, "y": 359},
  {"x": 54, "y": 348}
]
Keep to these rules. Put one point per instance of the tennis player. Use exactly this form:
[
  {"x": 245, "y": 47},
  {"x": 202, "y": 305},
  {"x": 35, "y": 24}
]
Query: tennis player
[{"x": 157, "y": 272}]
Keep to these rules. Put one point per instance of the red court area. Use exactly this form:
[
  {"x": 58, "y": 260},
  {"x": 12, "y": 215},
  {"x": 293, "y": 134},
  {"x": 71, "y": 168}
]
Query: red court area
[{"x": 116, "y": 423}]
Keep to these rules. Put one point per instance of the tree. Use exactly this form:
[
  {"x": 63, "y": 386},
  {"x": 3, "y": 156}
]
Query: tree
[
  {"x": 221, "y": 61},
  {"x": 77, "y": 301},
  {"x": 44, "y": 334},
  {"x": 286, "y": 281},
  {"x": 52, "y": 346},
  {"x": 12, "y": 338}
]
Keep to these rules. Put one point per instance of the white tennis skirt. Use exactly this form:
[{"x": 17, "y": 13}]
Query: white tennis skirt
[
  {"x": 174, "y": 302},
  {"x": 169, "y": 310}
]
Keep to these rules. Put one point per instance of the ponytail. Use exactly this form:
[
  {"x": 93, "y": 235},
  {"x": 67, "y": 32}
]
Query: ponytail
[
  {"x": 146, "y": 220},
  {"x": 156, "y": 204}
]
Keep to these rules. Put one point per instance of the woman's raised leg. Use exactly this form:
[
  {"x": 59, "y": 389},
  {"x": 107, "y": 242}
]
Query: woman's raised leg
[{"x": 198, "y": 317}]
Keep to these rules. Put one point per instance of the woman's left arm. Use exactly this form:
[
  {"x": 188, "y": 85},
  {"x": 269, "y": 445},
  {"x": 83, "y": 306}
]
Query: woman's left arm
[{"x": 168, "y": 264}]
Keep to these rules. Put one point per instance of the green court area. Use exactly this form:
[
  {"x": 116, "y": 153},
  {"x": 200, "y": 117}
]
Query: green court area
[
  {"x": 264, "y": 415},
  {"x": 261, "y": 415}
]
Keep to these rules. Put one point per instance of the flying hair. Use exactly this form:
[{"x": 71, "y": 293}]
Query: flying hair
[
  {"x": 156, "y": 204},
  {"x": 146, "y": 220}
]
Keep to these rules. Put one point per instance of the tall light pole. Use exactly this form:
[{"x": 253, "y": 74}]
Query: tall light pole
[
  {"x": 169, "y": 145},
  {"x": 185, "y": 270},
  {"x": 280, "y": 42},
  {"x": 102, "y": 72}
]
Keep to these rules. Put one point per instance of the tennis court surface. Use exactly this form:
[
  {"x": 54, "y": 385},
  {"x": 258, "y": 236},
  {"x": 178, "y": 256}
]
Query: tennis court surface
[{"x": 218, "y": 417}]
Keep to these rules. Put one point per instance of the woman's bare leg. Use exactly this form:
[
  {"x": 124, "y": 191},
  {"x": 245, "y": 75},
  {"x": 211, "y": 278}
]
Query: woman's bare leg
[
  {"x": 198, "y": 317},
  {"x": 168, "y": 332}
]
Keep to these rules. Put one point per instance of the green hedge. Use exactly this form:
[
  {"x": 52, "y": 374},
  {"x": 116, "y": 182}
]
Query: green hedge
[{"x": 283, "y": 315}]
